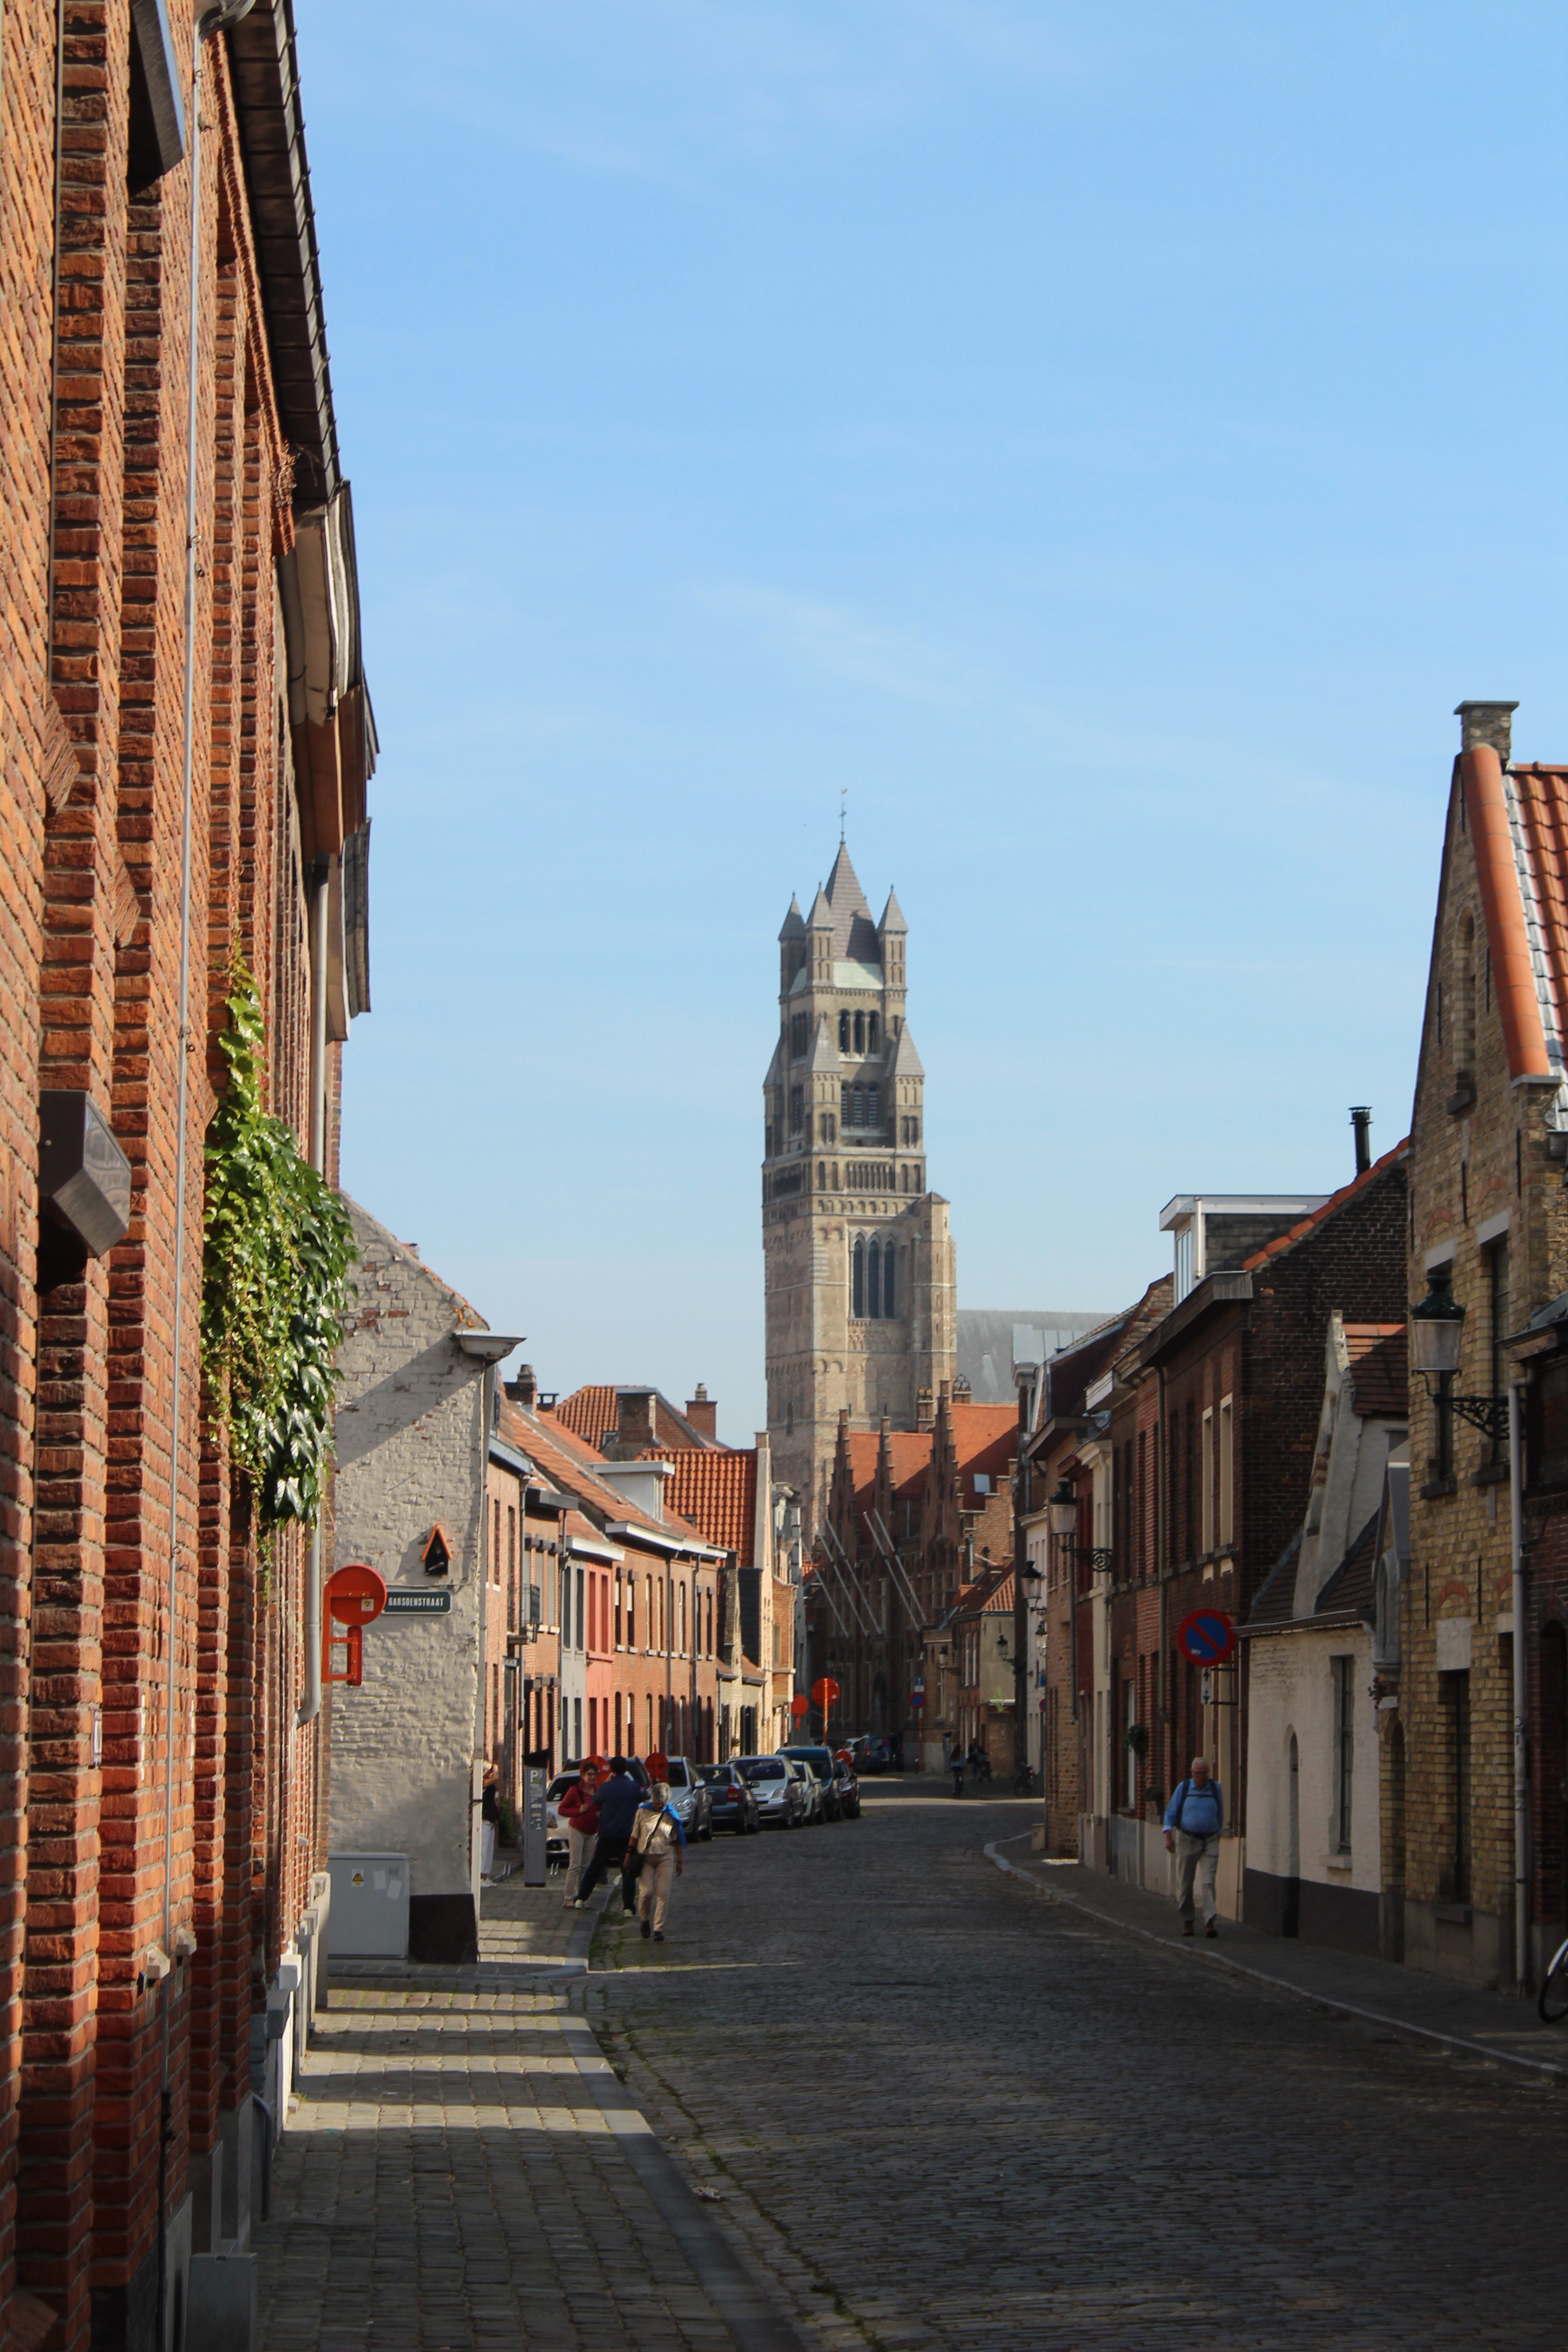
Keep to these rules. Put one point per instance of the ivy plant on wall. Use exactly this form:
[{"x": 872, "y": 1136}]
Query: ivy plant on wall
[{"x": 275, "y": 1283}]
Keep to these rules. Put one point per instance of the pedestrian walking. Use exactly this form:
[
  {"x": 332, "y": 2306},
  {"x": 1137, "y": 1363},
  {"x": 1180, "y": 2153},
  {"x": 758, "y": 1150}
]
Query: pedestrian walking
[
  {"x": 580, "y": 1813},
  {"x": 658, "y": 1845},
  {"x": 1193, "y": 1819},
  {"x": 618, "y": 1800},
  {"x": 489, "y": 1820}
]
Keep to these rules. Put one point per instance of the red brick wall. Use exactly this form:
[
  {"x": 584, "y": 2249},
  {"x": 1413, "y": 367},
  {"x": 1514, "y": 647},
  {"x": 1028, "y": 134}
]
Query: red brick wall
[{"x": 89, "y": 978}]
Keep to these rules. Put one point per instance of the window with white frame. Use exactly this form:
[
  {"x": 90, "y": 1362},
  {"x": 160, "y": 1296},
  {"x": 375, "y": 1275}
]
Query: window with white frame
[
  {"x": 1227, "y": 1475},
  {"x": 1207, "y": 1462}
]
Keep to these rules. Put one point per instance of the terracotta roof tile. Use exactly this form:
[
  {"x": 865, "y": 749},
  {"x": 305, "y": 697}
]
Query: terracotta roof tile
[
  {"x": 573, "y": 1466},
  {"x": 1539, "y": 809},
  {"x": 1380, "y": 1375},
  {"x": 1335, "y": 1200},
  {"x": 718, "y": 1492},
  {"x": 589, "y": 1413}
]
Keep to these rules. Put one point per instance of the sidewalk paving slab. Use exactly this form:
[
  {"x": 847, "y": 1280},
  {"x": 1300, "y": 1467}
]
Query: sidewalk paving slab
[{"x": 1499, "y": 2026}]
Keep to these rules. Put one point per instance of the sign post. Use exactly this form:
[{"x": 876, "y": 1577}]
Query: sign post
[{"x": 825, "y": 1691}]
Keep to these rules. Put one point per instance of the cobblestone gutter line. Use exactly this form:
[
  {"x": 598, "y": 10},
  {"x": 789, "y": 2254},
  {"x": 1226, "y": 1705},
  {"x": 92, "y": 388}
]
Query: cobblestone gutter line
[
  {"x": 757, "y": 2240},
  {"x": 1197, "y": 1954}
]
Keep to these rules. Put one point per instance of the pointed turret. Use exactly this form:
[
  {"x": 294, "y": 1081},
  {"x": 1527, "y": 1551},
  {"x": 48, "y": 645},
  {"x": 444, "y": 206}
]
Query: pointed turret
[
  {"x": 907, "y": 1063},
  {"x": 843, "y": 891},
  {"x": 791, "y": 947},
  {"x": 892, "y": 917},
  {"x": 891, "y": 932},
  {"x": 824, "y": 1057}
]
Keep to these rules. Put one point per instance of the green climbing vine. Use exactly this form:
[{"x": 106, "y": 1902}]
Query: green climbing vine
[{"x": 275, "y": 1283}]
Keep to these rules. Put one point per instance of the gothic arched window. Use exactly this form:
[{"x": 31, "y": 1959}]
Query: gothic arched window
[
  {"x": 822, "y": 1175},
  {"x": 858, "y": 1106},
  {"x": 890, "y": 1296},
  {"x": 873, "y": 1106},
  {"x": 857, "y": 1279},
  {"x": 874, "y": 1279},
  {"x": 872, "y": 1025},
  {"x": 844, "y": 1033}
]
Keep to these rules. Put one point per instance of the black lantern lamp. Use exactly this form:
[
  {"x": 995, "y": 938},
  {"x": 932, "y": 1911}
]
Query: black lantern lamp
[
  {"x": 1063, "y": 1507},
  {"x": 1436, "y": 1332}
]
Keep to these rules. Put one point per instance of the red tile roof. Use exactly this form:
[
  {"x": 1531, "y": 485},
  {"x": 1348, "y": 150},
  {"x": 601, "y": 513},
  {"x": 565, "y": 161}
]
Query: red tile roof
[
  {"x": 1380, "y": 1375},
  {"x": 573, "y": 1466},
  {"x": 589, "y": 1413},
  {"x": 718, "y": 1492},
  {"x": 1335, "y": 1200},
  {"x": 1541, "y": 799}
]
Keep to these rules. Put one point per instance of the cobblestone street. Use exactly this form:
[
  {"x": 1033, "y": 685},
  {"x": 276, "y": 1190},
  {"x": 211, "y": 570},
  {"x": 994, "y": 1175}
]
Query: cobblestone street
[{"x": 916, "y": 2099}]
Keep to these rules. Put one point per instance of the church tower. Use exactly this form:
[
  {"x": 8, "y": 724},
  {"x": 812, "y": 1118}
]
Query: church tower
[{"x": 859, "y": 1262}]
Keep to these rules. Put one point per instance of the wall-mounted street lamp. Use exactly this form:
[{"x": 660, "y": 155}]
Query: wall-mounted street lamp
[
  {"x": 1063, "y": 1509},
  {"x": 1436, "y": 1333}
]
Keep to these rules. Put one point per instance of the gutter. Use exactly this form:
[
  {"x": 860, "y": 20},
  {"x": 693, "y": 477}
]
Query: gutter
[{"x": 651, "y": 1541}]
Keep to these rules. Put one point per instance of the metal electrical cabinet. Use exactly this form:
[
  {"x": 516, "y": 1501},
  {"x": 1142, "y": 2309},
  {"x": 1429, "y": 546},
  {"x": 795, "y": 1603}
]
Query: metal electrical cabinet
[{"x": 370, "y": 1905}]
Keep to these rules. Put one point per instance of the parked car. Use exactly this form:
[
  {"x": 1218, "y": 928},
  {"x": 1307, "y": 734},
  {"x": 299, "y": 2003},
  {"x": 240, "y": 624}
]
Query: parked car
[
  {"x": 819, "y": 1762},
  {"x": 778, "y": 1786},
  {"x": 690, "y": 1800},
  {"x": 811, "y": 1787},
  {"x": 731, "y": 1804},
  {"x": 849, "y": 1790},
  {"x": 884, "y": 1753}
]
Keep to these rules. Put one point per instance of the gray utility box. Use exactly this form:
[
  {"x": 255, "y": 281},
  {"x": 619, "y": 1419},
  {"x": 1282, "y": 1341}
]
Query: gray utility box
[{"x": 370, "y": 1905}]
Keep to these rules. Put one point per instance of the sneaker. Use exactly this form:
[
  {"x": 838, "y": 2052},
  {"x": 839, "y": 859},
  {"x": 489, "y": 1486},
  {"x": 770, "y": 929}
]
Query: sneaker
[
  {"x": 1211, "y": 1929},
  {"x": 646, "y": 1930},
  {"x": 657, "y": 1934},
  {"x": 1186, "y": 1927}
]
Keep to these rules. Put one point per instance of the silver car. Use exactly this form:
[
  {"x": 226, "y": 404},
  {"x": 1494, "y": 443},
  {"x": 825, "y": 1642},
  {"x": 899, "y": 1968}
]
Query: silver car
[
  {"x": 777, "y": 1788},
  {"x": 811, "y": 1788},
  {"x": 690, "y": 1800}
]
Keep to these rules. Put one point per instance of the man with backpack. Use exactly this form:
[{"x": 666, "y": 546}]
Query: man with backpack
[{"x": 1193, "y": 1819}]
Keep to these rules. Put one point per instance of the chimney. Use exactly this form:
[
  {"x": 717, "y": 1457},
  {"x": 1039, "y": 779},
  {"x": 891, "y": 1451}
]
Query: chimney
[
  {"x": 1490, "y": 724},
  {"x": 524, "y": 1389},
  {"x": 1361, "y": 1119},
  {"x": 634, "y": 1422},
  {"x": 703, "y": 1412}
]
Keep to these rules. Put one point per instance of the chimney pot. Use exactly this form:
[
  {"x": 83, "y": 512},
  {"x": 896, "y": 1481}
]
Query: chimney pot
[
  {"x": 1361, "y": 1119},
  {"x": 1490, "y": 724},
  {"x": 702, "y": 1410}
]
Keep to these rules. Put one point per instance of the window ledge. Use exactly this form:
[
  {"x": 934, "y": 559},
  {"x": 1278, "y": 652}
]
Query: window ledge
[
  {"x": 1492, "y": 1474},
  {"x": 1457, "y": 1914},
  {"x": 1340, "y": 1864},
  {"x": 1436, "y": 1488}
]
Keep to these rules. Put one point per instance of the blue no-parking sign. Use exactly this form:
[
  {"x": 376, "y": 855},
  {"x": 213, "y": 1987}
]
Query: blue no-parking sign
[{"x": 1207, "y": 1636}]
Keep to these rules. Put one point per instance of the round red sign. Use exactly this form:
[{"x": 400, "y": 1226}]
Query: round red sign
[{"x": 1207, "y": 1636}]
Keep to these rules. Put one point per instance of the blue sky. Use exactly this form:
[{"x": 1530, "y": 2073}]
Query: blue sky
[{"x": 1106, "y": 441}]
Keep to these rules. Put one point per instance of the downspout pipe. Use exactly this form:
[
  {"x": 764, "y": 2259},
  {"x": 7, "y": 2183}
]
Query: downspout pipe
[
  {"x": 1520, "y": 1749},
  {"x": 309, "y": 1706}
]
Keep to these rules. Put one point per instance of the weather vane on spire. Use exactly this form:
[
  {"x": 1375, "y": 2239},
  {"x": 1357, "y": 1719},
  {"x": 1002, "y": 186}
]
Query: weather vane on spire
[{"x": 843, "y": 796}]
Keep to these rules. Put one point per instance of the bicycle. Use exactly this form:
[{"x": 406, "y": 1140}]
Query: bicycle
[
  {"x": 1024, "y": 1782},
  {"x": 1553, "y": 2001}
]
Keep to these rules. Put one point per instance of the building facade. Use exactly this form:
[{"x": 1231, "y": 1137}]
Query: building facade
[
  {"x": 1487, "y": 1219},
  {"x": 860, "y": 1297},
  {"x": 172, "y": 486}
]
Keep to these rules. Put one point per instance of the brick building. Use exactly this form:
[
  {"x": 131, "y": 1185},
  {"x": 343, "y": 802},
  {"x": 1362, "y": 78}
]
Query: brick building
[
  {"x": 1488, "y": 1214},
  {"x": 911, "y": 1513},
  {"x": 172, "y": 495}
]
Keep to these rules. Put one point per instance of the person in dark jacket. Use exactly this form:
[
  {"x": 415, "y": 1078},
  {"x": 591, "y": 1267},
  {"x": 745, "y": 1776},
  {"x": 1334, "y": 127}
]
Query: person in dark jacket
[{"x": 619, "y": 1798}]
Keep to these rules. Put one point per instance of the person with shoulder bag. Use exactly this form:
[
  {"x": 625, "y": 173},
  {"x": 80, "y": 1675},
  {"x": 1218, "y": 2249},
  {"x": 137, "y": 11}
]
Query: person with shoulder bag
[
  {"x": 580, "y": 1813},
  {"x": 658, "y": 1849},
  {"x": 1193, "y": 1819}
]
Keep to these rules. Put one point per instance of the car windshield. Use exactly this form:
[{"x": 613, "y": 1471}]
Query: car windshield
[
  {"x": 765, "y": 1768},
  {"x": 679, "y": 1772},
  {"x": 558, "y": 1786},
  {"x": 716, "y": 1775},
  {"x": 819, "y": 1759}
]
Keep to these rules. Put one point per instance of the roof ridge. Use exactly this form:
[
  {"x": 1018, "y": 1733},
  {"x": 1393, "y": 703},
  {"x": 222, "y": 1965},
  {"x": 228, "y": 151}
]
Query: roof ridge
[{"x": 1320, "y": 1215}]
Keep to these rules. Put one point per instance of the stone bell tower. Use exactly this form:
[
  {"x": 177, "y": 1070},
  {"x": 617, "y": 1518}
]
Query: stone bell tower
[{"x": 859, "y": 1261}]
